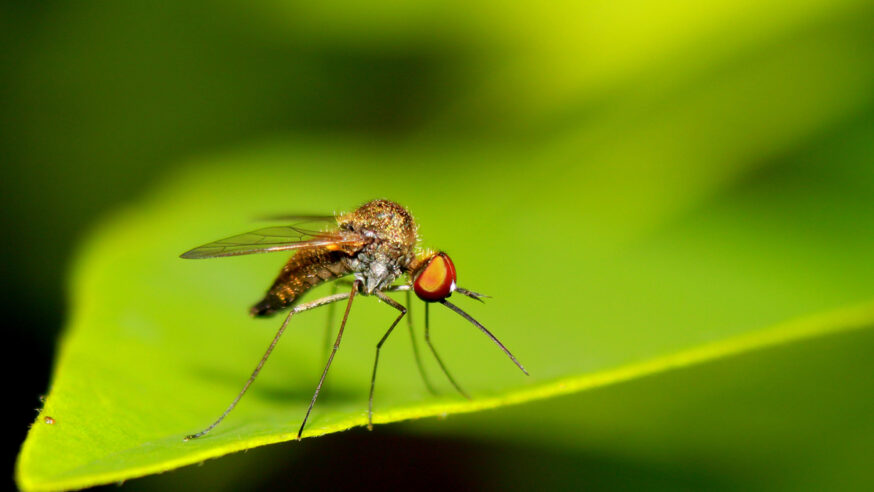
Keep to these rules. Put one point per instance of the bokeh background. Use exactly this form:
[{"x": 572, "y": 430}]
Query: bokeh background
[{"x": 659, "y": 104}]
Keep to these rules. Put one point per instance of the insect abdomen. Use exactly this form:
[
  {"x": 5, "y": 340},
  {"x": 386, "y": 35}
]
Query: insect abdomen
[{"x": 305, "y": 270}]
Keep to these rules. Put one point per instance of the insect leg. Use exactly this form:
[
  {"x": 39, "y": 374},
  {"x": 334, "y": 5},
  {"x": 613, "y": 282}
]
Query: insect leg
[
  {"x": 351, "y": 295},
  {"x": 407, "y": 288},
  {"x": 484, "y": 330},
  {"x": 416, "y": 346},
  {"x": 297, "y": 309},
  {"x": 439, "y": 360},
  {"x": 332, "y": 310},
  {"x": 391, "y": 302}
]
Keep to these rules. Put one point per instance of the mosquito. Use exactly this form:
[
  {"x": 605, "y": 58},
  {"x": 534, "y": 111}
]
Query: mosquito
[{"x": 376, "y": 245}]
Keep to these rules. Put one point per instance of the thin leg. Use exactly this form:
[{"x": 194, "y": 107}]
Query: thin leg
[
  {"x": 483, "y": 328},
  {"x": 391, "y": 302},
  {"x": 416, "y": 346},
  {"x": 297, "y": 309},
  {"x": 332, "y": 310},
  {"x": 355, "y": 286},
  {"x": 439, "y": 360}
]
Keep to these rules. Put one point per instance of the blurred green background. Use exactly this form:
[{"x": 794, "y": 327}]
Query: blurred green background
[{"x": 605, "y": 133}]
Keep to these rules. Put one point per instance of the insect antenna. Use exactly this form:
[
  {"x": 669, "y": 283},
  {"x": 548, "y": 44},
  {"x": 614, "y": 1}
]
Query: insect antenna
[
  {"x": 473, "y": 295},
  {"x": 484, "y": 330}
]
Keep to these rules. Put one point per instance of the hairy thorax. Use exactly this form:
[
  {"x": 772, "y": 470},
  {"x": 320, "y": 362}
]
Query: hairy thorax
[{"x": 393, "y": 239}]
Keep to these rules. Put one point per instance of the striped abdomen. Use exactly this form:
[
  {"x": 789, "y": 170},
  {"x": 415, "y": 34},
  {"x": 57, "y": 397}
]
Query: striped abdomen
[{"x": 306, "y": 269}]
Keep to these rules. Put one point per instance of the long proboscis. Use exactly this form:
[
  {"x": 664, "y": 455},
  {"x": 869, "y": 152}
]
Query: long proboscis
[{"x": 484, "y": 330}]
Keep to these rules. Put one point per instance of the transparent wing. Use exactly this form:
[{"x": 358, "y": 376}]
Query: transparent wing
[
  {"x": 283, "y": 238},
  {"x": 297, "y": 219}
]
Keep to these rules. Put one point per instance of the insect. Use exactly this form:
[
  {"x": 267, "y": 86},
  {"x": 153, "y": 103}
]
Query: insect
[{"x": 376, "y": 245}]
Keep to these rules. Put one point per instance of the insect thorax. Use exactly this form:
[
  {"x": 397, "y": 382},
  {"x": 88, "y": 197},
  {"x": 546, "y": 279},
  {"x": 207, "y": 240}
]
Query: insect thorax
[
  {"x": 378, "y": 265},
  {"x": 392, "y": 234}
]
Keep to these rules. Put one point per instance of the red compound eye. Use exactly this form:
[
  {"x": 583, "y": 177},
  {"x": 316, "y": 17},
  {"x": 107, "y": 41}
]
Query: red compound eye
[{"x": 436, "y": 280}]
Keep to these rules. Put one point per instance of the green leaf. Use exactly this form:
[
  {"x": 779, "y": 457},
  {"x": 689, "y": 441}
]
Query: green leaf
[
  {"x": 158, "y": 346},
  {"x": 791, "y": 417},
  {"x": 690, "y": 224}
]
